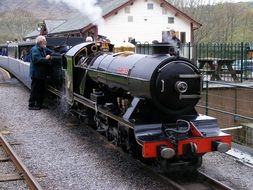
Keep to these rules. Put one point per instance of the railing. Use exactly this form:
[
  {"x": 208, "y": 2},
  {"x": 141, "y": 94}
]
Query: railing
[
  {"x": 226, "y": 62},
  {"x": 232, "y": 105},
  {"x": 218, "y": 61}
]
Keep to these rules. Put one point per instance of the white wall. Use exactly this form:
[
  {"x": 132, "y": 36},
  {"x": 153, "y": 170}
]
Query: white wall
[{"x": 118, "y": 29}]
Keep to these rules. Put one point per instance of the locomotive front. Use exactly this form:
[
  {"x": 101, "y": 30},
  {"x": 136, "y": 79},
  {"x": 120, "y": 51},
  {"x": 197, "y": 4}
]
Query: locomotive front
[{"x": 176, "y": 86}]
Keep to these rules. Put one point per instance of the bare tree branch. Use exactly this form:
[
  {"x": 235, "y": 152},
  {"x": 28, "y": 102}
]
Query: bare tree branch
[{"x": 18, "y": 22}]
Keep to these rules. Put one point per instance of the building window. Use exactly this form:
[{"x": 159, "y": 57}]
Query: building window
[
  {"x": 164, "y": 11},
  {"x": 130, "y": 19},
  {"x": 150, "y": 6},
  {"x": 127, "y": 10},
  {"x": 170, "y": 20}
]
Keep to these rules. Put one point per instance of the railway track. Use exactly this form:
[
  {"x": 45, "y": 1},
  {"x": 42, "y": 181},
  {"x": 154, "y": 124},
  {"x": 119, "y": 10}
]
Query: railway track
[
  {"x": 193, "y": 181},
  {"x": 199, "y": 181},
  {"x": 189, "y": 181},
  {"x": 24, "y": 173}
]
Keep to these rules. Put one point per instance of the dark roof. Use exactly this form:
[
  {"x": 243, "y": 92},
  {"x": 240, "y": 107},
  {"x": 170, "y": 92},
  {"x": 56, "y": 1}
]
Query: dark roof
[
  {"x": 75, "y": 23},
  {"x": 111, "y": 5},
  {"x": 80, "y": 21},
  {"x": 34, "y": 33},
  {"x": 52, "y": 24}
]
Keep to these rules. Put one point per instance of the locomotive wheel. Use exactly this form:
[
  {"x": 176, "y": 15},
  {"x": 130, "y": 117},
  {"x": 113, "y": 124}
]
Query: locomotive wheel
[{"x": 129, "y": 144}]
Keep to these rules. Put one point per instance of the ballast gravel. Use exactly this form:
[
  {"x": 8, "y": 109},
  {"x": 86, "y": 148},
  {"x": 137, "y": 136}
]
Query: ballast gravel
[{"x": 64, "y": 155}]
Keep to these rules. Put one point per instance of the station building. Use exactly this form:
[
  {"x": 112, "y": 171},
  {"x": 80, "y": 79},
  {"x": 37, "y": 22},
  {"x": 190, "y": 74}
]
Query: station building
[{"x": 142, "y": 20}]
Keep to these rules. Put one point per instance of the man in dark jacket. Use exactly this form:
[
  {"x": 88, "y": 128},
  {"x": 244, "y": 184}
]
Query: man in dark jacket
[
  {"x": 175, "y": 42},
  {"x": 40, "y": 60}
]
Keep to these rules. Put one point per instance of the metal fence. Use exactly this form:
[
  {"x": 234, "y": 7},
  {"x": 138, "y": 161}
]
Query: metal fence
[
  {"x": 232, "y": 105},
  {"x": 231, "y": 62}
]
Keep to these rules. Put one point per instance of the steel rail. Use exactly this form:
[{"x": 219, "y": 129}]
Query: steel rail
[
  {"x": 198, "y": 180},
  {"x": 30, "y": 180},
  {"x": 218, "y": 184}
]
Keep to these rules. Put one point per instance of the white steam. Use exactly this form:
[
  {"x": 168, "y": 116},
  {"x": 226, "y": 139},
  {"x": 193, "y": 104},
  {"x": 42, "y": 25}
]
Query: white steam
[{"x": 87, "y": 8}]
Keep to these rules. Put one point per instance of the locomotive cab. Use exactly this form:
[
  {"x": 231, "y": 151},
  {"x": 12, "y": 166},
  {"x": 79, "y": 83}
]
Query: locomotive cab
[{"x": 78, "y": 58}]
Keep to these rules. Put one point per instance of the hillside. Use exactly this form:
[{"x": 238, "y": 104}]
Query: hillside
[
  {"x": 40, "y": 9},
  {"x": 19, "y": 17}
]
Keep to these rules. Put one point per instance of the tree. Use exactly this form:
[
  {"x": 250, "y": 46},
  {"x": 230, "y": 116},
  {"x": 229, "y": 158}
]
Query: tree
[
  {"x": 221, "y": 22},
  {"x": 17, "y": 23}
]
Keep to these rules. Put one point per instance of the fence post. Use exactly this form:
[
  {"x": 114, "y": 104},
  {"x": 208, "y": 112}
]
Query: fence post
[
  {"x": 207, "y": 86},
  {"x": 242, "y": 48},
  {"x": 235, "y": 117},
  {"x": 194, "y": 53},
  {"x": 189, "y": 50}
]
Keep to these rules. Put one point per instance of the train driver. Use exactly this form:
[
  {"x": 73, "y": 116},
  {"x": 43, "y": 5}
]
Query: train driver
[{"x": 40, "y": 59}]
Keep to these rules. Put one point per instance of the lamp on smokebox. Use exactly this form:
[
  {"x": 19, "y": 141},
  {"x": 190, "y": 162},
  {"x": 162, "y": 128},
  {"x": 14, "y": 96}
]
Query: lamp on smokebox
[{"x": 104, "y": 46}]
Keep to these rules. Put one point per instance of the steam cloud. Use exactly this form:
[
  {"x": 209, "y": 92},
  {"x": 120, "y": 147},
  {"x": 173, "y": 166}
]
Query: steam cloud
[{"x": 88, "y": 8}]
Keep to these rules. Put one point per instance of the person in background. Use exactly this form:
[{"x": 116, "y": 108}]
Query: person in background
[
  {"x": 175, "y": 42},
  {"x": 132, "y": 40},
  {"x": 40, "y": 60},
  {"x": 166, "y": 37},
  {"x": 25, "y": 55}
]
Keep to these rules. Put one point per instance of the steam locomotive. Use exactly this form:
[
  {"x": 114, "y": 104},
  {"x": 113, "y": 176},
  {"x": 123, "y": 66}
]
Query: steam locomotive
[{"x": 143, "y": 103}]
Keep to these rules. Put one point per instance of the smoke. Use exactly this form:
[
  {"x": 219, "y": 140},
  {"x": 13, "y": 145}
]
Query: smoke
[{"x": 87, "y": 8}]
